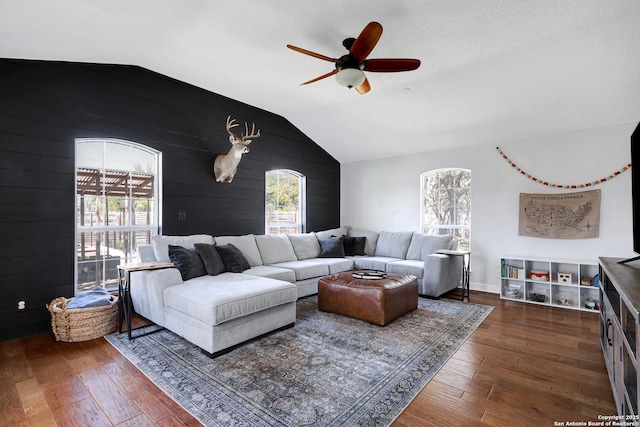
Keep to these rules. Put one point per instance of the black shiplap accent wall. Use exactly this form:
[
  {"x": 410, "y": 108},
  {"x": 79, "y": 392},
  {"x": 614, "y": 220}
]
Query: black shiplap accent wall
[{"x": 46, "y": 105}]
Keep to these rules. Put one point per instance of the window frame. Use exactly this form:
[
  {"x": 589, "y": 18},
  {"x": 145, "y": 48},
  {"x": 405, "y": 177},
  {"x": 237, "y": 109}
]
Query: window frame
[
  {"x": 425, "y": 227},
  {"x": 110, "y": 147},
  {"x": 300, "y": 225}
]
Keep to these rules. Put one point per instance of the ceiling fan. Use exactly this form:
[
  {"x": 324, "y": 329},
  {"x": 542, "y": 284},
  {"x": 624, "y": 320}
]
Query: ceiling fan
[{"x": 350, "y": 68}]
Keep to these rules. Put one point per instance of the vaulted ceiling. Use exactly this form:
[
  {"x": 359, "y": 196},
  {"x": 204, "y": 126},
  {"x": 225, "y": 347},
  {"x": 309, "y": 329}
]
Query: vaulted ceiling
[{"x": 492, "y": 71}]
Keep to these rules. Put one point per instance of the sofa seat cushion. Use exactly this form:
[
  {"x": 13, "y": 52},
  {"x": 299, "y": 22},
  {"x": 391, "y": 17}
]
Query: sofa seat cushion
[
  {"x": 407, "y": 267},
  {"x": 373, "y": 262},
  {"x": 227, "y": 296},
  {"x": 305, "y": 269},
  {"x": 272, "y": 272},
  {"x": 335, "y": 265}
]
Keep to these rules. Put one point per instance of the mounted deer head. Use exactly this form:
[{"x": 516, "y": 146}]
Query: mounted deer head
[{"x": 225, "y": 166}]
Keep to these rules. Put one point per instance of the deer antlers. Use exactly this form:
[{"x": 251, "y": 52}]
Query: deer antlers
[{"x": 243, "y": 136}]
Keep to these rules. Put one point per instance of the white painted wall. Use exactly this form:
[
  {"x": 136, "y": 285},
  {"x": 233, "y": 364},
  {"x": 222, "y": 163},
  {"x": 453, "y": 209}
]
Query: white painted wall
[{"x": 384, "y": 194}]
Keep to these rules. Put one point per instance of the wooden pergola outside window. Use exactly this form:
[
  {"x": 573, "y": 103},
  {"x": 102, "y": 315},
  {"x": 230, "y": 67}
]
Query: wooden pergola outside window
[{"x": 96, "y": 238}]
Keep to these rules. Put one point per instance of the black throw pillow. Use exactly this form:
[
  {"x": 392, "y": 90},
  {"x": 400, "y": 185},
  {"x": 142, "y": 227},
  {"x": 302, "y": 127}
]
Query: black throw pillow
[
  {"x": 332, "y": 247},
  {"x": 210, "y": 258},
  {"x": 232, "y": 258},
  {"x": 354, "y": 245},
  {"x": 187, "y": 261}
]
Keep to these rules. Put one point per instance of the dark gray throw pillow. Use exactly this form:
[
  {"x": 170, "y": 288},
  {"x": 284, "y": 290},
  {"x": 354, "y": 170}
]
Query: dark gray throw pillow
[
  {"x": 354, "y": 245},
  {"x": 210, "y": 258},
  {"x": 232, "y": 258},
  {"x": 187, "y": 261},
  {"x": 332, "y": 248}
]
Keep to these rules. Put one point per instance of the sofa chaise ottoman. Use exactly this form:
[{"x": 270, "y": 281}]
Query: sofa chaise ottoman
[
  {"x": 242, "y": 307},
  {"x": 215, "y": 312}
]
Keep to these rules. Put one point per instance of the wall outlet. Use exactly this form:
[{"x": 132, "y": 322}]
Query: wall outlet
[
  {"x": 182, "y": 216},
  {"x": 21, "y": 305}
]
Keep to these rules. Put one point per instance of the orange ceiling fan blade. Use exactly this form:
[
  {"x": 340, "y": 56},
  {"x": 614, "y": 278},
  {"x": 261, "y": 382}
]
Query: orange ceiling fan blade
[
  {"x": 364, "y": 87},
  {"x": 391, "y": 65},
  {"x": 308, "y": 52},
  {"x": 321, "y": 77},
  {"x": 366, "y": 41}
]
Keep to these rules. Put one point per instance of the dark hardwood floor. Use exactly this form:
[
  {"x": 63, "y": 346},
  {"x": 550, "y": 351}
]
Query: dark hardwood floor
[{"x": 526, "y": 365}]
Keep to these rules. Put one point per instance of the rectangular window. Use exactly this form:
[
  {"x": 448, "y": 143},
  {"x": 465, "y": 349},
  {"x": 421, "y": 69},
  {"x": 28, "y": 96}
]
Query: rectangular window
[
  {"x": 284, "y": 202},
  {"x": 116, "y": 208},
  {"x": 446, "y": 204}
]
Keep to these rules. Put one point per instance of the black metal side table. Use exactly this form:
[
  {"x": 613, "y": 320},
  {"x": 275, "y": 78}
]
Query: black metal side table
[
  {"x": 466, "y": 262},
  {"x": 125, "y": 305}
]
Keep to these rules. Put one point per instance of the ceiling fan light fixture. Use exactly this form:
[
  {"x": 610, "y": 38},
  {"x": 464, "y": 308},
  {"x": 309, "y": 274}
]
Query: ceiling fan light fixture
[{"x": 350, "y": 77}]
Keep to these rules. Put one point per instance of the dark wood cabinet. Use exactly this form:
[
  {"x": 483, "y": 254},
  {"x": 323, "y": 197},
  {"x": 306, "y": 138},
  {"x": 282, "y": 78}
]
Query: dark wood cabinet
[{"x": 619, "y": 320}]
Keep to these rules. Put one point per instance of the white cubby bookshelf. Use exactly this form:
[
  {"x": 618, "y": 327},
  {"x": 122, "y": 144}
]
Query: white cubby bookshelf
[{"x": 553, "y": 282}]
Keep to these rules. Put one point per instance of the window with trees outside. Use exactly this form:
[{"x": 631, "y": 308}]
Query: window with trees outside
[
  {"x": 284, "y": 202},
  {"x": 117, "y": 207},
  {"x": 446, "y": 204}
]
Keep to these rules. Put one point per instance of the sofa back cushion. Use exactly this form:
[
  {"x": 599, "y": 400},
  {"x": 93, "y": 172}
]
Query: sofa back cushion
[
  {"x": 370, "y": 242},
  {"x": 423, "y": 245},
  {"x": 246, "y": 244},
  {"x": 161, "y": 244},
  {"x": 275, "y": 248},
  {"x": 393, "y": 244},
  {"x": 305, "y": 245},
  {"x": 333, "y": 232}
]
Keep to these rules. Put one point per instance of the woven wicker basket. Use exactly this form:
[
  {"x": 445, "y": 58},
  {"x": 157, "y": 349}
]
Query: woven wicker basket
[{"x": 82, "y": 324}]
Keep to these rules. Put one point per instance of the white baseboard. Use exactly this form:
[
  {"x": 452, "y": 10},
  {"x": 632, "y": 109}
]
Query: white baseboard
[{"x": 484, "y": 287}]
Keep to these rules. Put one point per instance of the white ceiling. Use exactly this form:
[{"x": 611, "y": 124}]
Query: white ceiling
[{"x": 491, "y": 71}]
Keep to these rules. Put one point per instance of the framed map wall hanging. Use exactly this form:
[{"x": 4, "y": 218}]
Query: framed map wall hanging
[{"x": 560, "y": 216}]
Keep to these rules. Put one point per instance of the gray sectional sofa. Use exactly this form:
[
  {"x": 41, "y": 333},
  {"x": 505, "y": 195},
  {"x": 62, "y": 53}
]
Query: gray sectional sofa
[{"x": 217, "y": 309}]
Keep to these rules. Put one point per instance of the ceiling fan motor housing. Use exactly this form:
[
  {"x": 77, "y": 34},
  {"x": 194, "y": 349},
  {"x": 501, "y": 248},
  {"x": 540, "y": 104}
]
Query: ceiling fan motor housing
[{"x": 348, "y": 61}]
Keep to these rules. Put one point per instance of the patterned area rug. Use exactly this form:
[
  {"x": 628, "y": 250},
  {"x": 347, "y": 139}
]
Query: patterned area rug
[{"x": 328, "y": 370}]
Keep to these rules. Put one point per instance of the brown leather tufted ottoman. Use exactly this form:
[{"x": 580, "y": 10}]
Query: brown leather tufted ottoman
[{"x": 378, "y": 301}]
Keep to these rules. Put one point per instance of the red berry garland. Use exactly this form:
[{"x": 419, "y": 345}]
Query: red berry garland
[{"x": 539, "y": 181}]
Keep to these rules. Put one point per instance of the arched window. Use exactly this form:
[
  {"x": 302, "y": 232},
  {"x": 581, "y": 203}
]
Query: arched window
[
  {"x": 284, "y": 202},
  {"x": 117, "y": 207},
  {"x": 445, "y": 202}
]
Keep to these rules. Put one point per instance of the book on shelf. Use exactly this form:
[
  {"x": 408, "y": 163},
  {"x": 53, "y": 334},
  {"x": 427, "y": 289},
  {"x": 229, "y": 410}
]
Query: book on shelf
[{"x": 512, "y": 272}]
